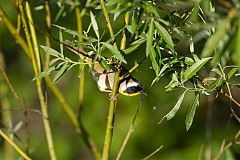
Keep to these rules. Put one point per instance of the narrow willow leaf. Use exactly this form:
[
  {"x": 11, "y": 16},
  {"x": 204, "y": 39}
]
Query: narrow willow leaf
[
  {"x": 222, "y": 29},
  {"x": 190, "y": 71},
  {"x": 174, "y": 110},
  {"x": 115, "y": 52},
  {"x": 149, "y": 39},
  {"x": 105, "y": 65},
  {"x": 114, "y": 2},
  {"x": 134, "y": 20},
  {"x": 60, "y": 72},
  {"x": 71, "y": 32},
  {"x": 165, "y": 66},
  {"x": 153, "y": 59},
  {"x": 54, "y": 60},
  {"x": 165, "y": 35},
  {"x": 131, "y": 49},
  {"x": 215, "y": 84},
  {"x": 44, "y": 73},
  {"x": 94, "y": 24},
  {"x": 138, "y": 41},
  {"x": 236, "y": 47},
  {"x": 61, "y": 40},
  {"x": 191, "y": 112},
  {"x": 149, "y": 7},
  {"x": 18, "y": 126},
  {"x": 50, "y": 51},
  {"x": 232, "y": 72}
]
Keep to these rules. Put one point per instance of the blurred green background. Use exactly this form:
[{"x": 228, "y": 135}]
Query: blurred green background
[{"x": 212, "y": 124}]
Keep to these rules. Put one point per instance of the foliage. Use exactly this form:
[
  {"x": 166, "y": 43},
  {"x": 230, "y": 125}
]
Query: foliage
[{"x": 169, "y": 34}]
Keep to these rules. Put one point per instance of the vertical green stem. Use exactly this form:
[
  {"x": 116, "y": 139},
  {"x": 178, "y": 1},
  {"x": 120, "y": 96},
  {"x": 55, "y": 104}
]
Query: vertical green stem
[
  {"x": 113, "y": 100},
  {"x": 48, "y": 25},
  {"x": 82, "y": 77},
  {"x": 37, "y": 68}
]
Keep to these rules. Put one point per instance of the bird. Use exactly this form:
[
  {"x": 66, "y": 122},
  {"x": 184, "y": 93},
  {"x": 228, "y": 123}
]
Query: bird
[{"x": 128, "y": 85}]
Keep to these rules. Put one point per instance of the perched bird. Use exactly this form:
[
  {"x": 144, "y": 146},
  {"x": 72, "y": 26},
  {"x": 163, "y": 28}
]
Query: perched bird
[{"x": 128, "y": 86}]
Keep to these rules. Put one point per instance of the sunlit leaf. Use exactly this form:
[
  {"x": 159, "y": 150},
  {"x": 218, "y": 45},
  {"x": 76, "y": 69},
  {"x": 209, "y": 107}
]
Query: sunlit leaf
[
  {"x": 94, "y": 24},
  {"x": 150, "y": 8},
  {"x": 61, "y": 40},
  {"x": 232, "y": 72},
  {"x": 115, "y": 52},
  {"x": 190, "y": 71},
  {"x": 191, "y": 112},
  {"x": 165, "y": 35}
]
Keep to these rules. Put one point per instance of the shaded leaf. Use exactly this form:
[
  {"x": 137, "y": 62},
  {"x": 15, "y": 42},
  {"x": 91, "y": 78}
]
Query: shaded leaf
[
  {"x": 222, "y": 28},
  {"x": 44, "y": 73},
  {"x": 50, "y": 51},
  {"x": 165, "y": 35},
  {"x": 105, "y": 65},
  {"x": 149, "y": 39},
  {"x": 150, "y": 8},
  {"x": 174, "y": 110},
  {"x": 115, "y": 52},
  {"x": 191, "y": 112},
  {"x": 190, "y": 71},
  {"x": 61, "y": 71},
  {"x": 153, "y": 60}
]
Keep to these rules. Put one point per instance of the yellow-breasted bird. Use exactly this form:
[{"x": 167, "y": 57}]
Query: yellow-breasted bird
[{"x": 128, "y": 86}]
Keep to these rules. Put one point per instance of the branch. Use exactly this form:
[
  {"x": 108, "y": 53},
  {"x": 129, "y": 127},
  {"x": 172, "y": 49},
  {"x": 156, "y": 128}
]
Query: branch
[{"x": 14, "y": 145}]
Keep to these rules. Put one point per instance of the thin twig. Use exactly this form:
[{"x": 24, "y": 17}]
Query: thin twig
[
  {"x": 153, "y": 153},
  {"x": 230, "y": 97},
  {"x": 225, "y": 146},
  {"x": 25, "y": 156},
  {"x": 9, "y": 83},
  {"x": 129, "y": 133}
]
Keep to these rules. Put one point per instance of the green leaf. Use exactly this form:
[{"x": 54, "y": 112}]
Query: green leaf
[
  {"x": 232, "y": 72},
  {"x": 105, "y": 65},
  {"x": 51, "y": 51},
  {"x": 215, "y": 84},
  {"x": 191, "y": 112},
  {"x": 150, "y": 8},
  {"x": 236, "y": 48},
  {"x": 192, "y": 70},
  {"x": 61, "y": 71},
  {"x": 149, "y": 39},
  {"x": 61, "y": 40},
  {"x": 44, "y": 73},
  {"x": 154, "y": 62},
  {"x": 174, "y": 110},
  {"x": 165, "y": 66},
  {"x": 94, "y": 24},
  {"x": 165, "y": 35},
  {"x": 222, "y": 29},
  {"x": 115, "y": 52},
  {"x": 72, "y": 32}
]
